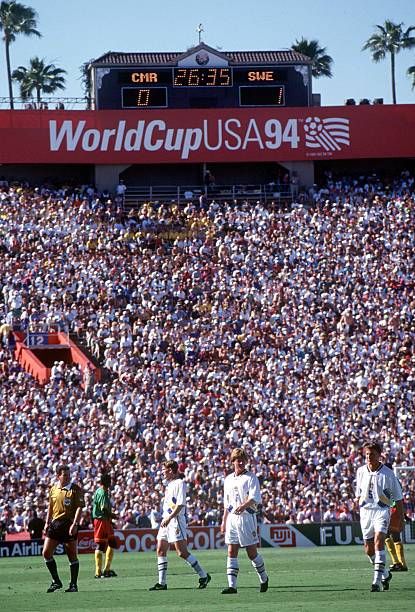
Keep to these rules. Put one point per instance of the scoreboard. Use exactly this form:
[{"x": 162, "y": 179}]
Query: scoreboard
[{"x": 146, "y": 87}]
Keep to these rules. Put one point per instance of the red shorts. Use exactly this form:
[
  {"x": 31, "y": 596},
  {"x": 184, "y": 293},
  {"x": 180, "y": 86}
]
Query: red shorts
[{"x": 102, "y": 531}]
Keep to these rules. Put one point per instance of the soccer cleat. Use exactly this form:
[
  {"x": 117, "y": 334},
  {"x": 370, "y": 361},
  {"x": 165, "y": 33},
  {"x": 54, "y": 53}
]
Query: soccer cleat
[
  {"x": 203, "y": 582},
  {"x": 264, "y": 586},
  {"x": 386, "y": 581},
  {"x": 54, "y": 587},
  {"x": 375, "y": 588},
  {"x": 98, "y": 576},
  {"x": 229, "y": 591},
  {"x": 398, "y": 567},
  {"x": 109, "y": 574},
  {"x": 158, "y": 587},
  {"x": 72, "y": 588}
]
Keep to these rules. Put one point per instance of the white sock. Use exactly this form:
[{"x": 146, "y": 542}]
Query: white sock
[
  {"x": 194, "y": 563},
  {"x": 232, "y": 571},
  {"x": 380, "y": 560},
  {"x": 258, "y": 564},
  {"x": 371, "y": 559},
  {"x": 162, "y": 569}
]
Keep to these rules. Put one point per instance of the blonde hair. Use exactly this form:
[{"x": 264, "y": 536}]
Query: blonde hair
[{"x": 238, "y": 453}]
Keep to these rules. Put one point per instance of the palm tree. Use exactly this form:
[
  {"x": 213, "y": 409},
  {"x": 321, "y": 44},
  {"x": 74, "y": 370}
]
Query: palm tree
[
  {"x": 411, "y": 73},
  {"x": 86, "y": 82},
  {"x": 15, "y": 18},
  {"x": 321, "y": 63},
  {"x": 39, "y": 77},
  {"x": 389, "y": 38}
]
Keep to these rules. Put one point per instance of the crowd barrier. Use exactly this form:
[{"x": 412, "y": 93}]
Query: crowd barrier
[{"x": 207, "y": 538}]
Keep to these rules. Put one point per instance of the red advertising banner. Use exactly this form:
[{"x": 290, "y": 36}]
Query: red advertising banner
[
  {"x": 207, "y": 135},
  {"x": 144, "y": 540}
]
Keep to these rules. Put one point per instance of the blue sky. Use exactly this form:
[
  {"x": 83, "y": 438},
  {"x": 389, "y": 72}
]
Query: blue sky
[{"x": 76, "y": 31}]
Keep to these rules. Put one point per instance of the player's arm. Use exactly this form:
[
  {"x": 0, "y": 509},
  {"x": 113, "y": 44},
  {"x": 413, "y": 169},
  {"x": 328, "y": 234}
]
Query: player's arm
[
  {"x": 224, "y": 519},
  {"x": 225, "y": 506},
  {"x": 253, "y": 497},
  {"x": 171, "y": 516},
  {"x": 75, "y": 523},
  {"x": 401, "y": 514},
  {"x": 79, "y": 501},
  {"x": 358, "y": 488},
  {"x": 49, "y": 515}
]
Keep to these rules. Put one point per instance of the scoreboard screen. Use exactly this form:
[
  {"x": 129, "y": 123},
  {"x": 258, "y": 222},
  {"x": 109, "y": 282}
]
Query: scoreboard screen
[
  {"x": 144, "y": 97},
  {"x": 202, "y": 77},
  {"x": 202, "y": 87}
]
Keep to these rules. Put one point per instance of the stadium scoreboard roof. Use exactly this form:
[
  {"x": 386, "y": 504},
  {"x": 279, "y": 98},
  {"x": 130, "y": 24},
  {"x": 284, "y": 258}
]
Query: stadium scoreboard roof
[{"x": 201, "y": 78}]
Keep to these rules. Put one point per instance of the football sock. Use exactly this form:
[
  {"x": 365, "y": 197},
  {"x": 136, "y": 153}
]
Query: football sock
[
  {"x": 371, "y": 559},
  {"x": 380, "y": 559},
  {"x": 162, "y": 569},
  {"x": 98, "y": 562},
  {"x": 194, "y": 563},
  {"x": 390, "y": 547},
  {"x": 108, "y": 558},
  {"x": 232, "y": 571},
  {"x": 258, "y": 564},
  {"x": 52, "y": 567},
  {"x": 400, "y": 553},
  {"x": 74, "y": 565}
]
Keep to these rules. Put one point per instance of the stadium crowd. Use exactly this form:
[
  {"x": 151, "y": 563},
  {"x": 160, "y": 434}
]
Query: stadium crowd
[{"x": 287, "y": 332}]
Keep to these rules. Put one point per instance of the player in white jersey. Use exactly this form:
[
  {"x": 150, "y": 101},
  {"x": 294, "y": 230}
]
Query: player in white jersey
[
  {"x": 241, "y": 499},
  {"x": 173, "y": 528},
  {"x": 377, "y": 488}
]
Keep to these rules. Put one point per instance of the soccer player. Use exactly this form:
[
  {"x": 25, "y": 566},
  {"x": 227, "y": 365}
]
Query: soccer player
[
  {"x": 66, "y": 501},
  {"x": 239, "y": 524},
  {"x": 376, "y": 489},
  {"x": 394, "y": 544},
  {"x": 103, "y": 531},
  {"x": 173, "y": 528}
]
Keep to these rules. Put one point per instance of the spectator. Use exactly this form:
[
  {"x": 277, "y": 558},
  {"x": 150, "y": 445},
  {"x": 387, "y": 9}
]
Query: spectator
[{"x": 290, "y": 333}]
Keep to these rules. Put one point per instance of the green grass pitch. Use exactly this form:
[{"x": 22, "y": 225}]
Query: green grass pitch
[{"x": 302, "y": 579}]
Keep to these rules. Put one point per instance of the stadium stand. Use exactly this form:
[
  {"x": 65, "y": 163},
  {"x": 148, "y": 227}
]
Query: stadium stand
[{"x": 287, "y": 332}]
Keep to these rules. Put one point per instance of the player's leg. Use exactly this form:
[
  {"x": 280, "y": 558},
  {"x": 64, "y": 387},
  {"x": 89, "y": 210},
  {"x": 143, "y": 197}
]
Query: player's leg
[
  {"x": 381, "y": 574},
  {"x": 369, "y": 546},
  {"x": 49, "y": 547},
  {"x": 390, "y": 547},
  {"x": 232, "y": 569},
  {"x": 248, "y": 538},
  {"x": 100, "y": 549},
  {"x": 71, "y": 551},
  {"x": 101, "y": 543},
  {"x": 183, "y": 553},
  {"x": 162, "y": 548},
  {"x": 259, "y": 566},
  {"x": 109, "y": 554},
  {"x": 396, "y": 536},
  {"x": 373, "y": 547}
]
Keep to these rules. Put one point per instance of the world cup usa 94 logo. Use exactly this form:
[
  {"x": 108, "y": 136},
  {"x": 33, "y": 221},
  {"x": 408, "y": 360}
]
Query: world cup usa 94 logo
[{"x": 328, "y": 134}]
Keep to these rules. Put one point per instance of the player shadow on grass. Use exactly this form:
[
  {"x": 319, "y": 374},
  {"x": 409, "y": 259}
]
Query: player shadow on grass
[{"x": 315, "y": 588}]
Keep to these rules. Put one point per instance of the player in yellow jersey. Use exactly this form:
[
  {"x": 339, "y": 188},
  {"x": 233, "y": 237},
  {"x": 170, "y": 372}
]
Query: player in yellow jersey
[
  {"x": 66, "y": 501},
  {"x": 393, "y": 542}
]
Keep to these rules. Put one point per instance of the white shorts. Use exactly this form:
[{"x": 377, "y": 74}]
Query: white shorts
[
  {"x": 175, "y": 531},
  {"x": 374, "y": 520},
  {"x": 241, "y": 529}
]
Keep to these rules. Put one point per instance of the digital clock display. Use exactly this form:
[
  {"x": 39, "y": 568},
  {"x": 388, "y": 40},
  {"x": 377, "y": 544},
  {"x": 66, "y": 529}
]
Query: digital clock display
[
  {"x": 262, "y": 96},
  {"x": 202, "y": 77},
  {"x": 144, "y": 97}
]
